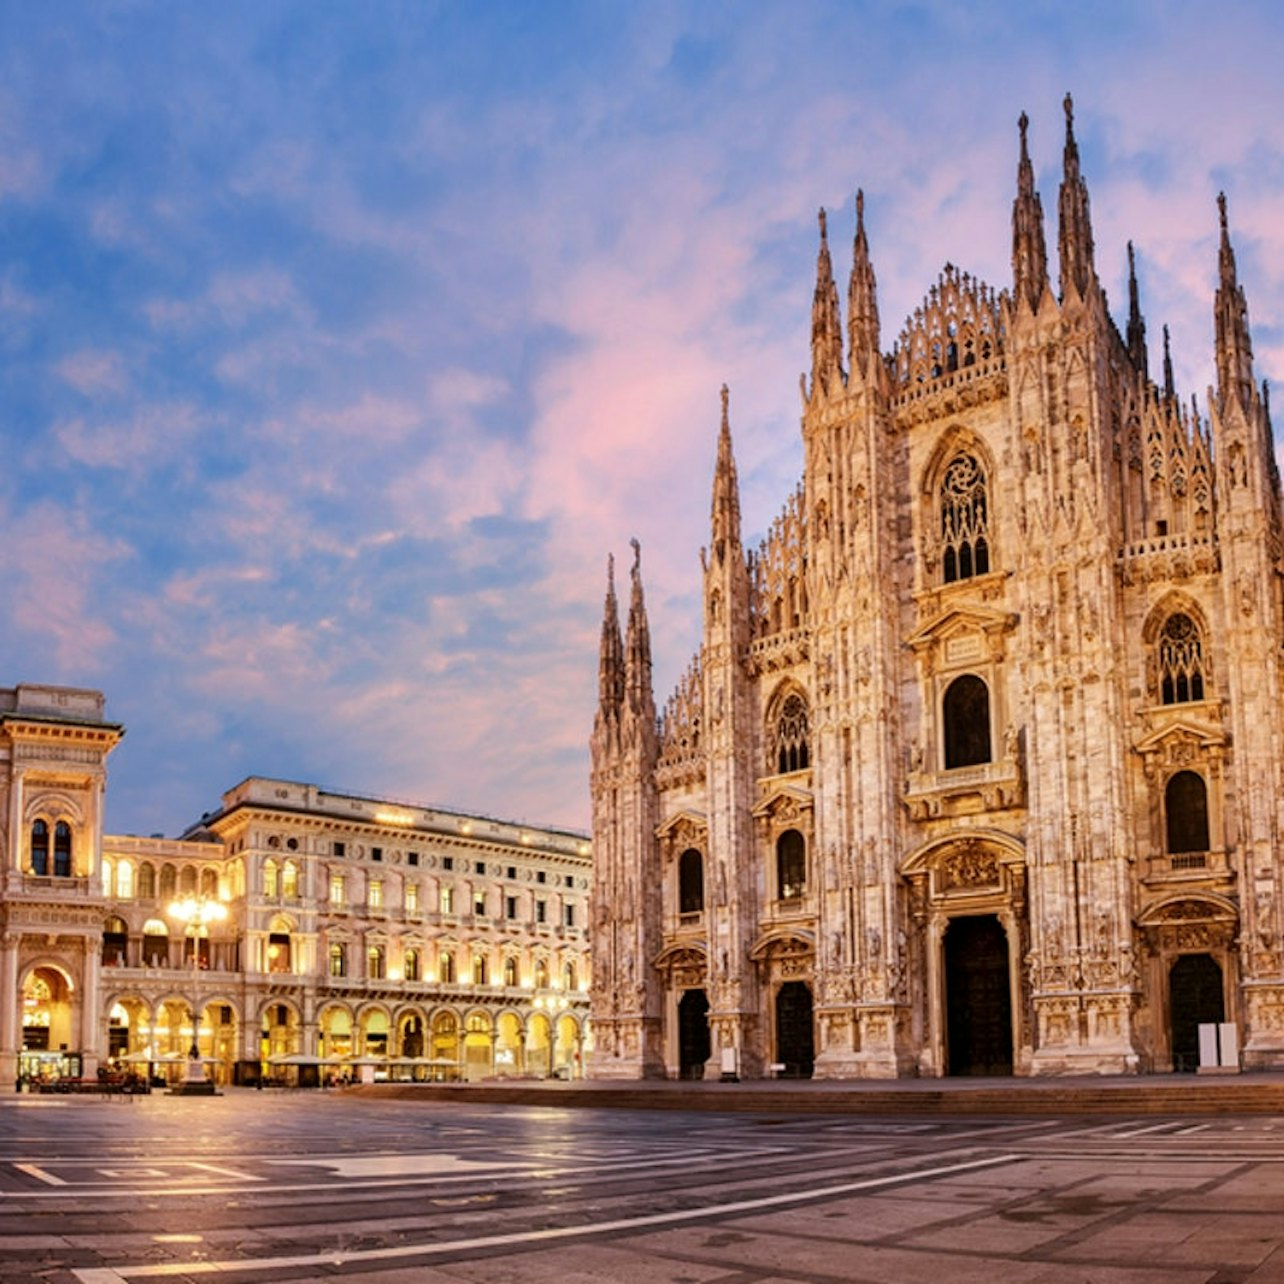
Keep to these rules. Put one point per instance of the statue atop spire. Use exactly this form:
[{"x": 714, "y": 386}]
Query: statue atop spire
[
  {"x": 1230, "y": 315},
  {"x": 862, "y": 298},
  {"x": 826, "y": 327},
  {"x": 1170, "y": 388},
  {"x": 1136, "y": 323},
  {"x": 637, "y": 648},
  {"x": 611, "y": 652},
  {"x": 1074, "y": 234},
  {"x": 726, "y": 491},
  {"x": 1029, "y": 250}
]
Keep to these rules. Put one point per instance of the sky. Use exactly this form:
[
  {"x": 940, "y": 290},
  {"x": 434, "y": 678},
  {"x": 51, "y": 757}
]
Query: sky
[{"x": 341, "y": 343}]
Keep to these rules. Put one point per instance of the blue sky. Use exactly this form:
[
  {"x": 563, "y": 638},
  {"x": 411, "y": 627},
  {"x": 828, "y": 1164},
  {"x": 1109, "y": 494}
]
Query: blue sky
[{"x": 340, "y": 343}]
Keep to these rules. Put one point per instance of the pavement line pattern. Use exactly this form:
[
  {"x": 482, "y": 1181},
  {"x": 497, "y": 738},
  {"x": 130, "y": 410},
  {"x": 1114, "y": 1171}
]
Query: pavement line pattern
[{"x": 154, "y": 1270}]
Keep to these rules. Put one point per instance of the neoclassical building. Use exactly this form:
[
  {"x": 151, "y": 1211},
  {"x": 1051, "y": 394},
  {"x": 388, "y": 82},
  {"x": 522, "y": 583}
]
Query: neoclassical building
[
  {"x": 360, "y": 936},
  {"x": 978, "y": 767}
]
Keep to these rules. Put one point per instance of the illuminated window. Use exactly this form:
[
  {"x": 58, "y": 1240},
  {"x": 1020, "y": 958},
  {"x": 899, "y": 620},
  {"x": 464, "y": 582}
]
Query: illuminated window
[
  {"x": 510, "y": 971},
  {"x": 570, "y": 977},
  {"x": 375, "y": 962},
  {"x": 62, "y": 850},
  {"x": 155, "y": 943},
  {"x": 270, "y": 882},
  {"x": 410, "y": 965},
  {"x": 338, "y": 890},
  {"x": 446, "y": 968},
  {"x": 479, "y": 904},
  {"x": 412, "y": 898},
  {"x": 338, "y": 959},
  {"x": 541, "y": 974},
  {"x": 447, "y": 900},
  {"x": 124, "y": 880},
  {"x": 290, "y": 880},
  {"x": 374, "y": 893}
]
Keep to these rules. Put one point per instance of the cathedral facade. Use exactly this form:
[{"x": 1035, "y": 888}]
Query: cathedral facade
[{"x": 978, "y": 767}]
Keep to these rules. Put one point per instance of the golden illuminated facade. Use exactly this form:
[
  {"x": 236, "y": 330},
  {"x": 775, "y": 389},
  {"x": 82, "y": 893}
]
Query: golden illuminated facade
[
  {"x": 979, "y": 766},
  {"x": 363, "y": 938}
]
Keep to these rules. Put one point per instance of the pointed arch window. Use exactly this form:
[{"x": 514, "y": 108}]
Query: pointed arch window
[
  {"x": 966, "y": 716},
  {"x": 570, "y": 976},
  {"x": 1186, "y": 813},
  {"x": 965, "y": 521},
  {"x": 690, "y": 882},
  {"x": 1181, "y": 661},
  {"x": 62, "y": 850},
  {"x": 792, "y": 735},
  {"x": 40, "y": 848}
]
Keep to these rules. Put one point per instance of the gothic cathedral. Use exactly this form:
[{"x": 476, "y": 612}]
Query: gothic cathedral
[{"x": 978, "y": 768}]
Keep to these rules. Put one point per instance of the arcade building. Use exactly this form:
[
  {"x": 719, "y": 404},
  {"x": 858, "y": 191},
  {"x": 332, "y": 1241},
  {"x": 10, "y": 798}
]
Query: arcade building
[{"x": 316, "y": 935}]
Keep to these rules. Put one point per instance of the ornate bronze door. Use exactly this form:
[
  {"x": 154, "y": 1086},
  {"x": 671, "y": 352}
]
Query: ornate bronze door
[
  {"x": 693, "y": 1034},
  {"x": 1195, "y": 997},
  {"x": 979, "y": 997},
  {"x": 795, "y": 1047}
]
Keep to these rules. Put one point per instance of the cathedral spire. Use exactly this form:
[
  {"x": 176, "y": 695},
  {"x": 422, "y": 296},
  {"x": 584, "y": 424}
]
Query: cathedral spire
[
  {"x": 610, "y": 667},
  {"x": 1170, "y": 388},
  {"x": 1230, "y": 313},
  {"x": 862, "y": 297},
  {"x": 726, "y": 491},
  {"x": 1074, "y": 234},
  {"x": 637, "y": 648},
  {"x": 1029, "y": 250},
  {"x": 1136, "y": 323},
  {"x": 826, "y": 328}
]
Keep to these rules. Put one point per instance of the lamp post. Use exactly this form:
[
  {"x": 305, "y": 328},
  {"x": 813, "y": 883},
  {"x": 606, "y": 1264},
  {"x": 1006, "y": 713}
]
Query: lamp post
[{"x": 196, "y": 913}]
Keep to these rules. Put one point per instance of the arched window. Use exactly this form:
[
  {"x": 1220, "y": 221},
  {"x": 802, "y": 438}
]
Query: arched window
[
  {"x": 480, "y": 970},
  {"x": 570, "y": 977},
  {"x": 1181, "y": 661},
  {"x": 168, "y": 882},
  {"x": 187, "y": 880},
  {"x": 62, "y": 850},
  {"x": 791, "y": 865},
  {"x": 1186, "y": 812},
  {"x": 290, "y": 880},
  {"x": 209, "y": 883},
  {"x": 541, "y": 975},
  {"x": 147, "y": 882},
  {"x": 966, "y": 713},
  {"x": 155, "y": 943},
  {"x": 269, "y": 878},
  {"x": 338, "y": 959},
  {"x": 279, "y": 954},
  {"x": 410, "y": 964},
  {"x": 115, "y": 941},
  {"x": 510, "y": 971},
  {"x": 375, "y": 962},
  {"x": 446, "y": 968},
  {"x": 791, "y": 740},
  {"x": 124, "y": 880},
  {"x": 965, "y": 542},
  {"x": 40, "y": 848},
  {"x": 109, "y": 877},
  {"x": 690, "y": 882}
]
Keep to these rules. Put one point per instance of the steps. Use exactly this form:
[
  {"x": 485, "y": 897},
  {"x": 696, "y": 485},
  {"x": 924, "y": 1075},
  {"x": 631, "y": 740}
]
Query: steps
[{"x": 1173, "y": 1095}]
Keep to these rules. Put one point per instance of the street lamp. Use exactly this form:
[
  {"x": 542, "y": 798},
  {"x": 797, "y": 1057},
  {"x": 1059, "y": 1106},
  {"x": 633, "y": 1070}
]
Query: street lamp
[{"x": 196, "y": 913}]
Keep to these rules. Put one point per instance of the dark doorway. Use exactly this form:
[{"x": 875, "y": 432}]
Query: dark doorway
[
  {"x": 693, "y": 1034},
  {"x": 795, "y": 1049},
  {"x": 1195, "y": 998},
  {"x": 978, "y": 1009}
]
